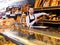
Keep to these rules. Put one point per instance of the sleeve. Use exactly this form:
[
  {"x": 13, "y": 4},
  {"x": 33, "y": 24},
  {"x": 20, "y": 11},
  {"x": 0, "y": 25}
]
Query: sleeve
[
  {"x": 39, "y": 14},
  {"x": 28, "y": 23}
]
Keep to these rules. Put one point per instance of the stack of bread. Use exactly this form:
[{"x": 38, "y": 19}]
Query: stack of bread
[
  {"x": 7, "y": 23},
  {"x": 46, "y": 3}
]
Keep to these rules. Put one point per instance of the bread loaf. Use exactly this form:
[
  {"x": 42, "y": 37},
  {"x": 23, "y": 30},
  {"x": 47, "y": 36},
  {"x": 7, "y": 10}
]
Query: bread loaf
[{"x": 54, "y": 2}]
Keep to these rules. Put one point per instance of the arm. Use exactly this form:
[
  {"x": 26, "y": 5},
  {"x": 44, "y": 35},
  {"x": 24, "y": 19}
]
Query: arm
[
  {"x": 39, "y": 14},
  {"x": 28, "y": 23}
]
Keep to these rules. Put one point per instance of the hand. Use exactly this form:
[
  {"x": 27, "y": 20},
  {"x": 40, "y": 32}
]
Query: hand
[{"x": 36, "y": 20}]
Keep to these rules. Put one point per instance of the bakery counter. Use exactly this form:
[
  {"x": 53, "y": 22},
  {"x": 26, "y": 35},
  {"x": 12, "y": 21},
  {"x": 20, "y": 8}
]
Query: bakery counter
[
  {"x": 22, "y": 40},
  {"x": 50, "y": 37},
  {"x": 42, "y": 36}
]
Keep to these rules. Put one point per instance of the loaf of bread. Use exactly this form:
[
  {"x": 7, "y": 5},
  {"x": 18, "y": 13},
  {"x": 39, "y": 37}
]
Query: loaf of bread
[
  {"x": 38, "y": 4},
  {"x": 54, "y": 2}
]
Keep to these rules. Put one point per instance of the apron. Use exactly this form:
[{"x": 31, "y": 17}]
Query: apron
[{"x": 35, "y": 24}]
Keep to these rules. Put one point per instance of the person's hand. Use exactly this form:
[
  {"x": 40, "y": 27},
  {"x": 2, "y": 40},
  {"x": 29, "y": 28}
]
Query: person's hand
[{"x": 36, "y": 20}]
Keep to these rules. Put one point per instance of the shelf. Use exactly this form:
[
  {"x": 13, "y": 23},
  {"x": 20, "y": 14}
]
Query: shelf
[
  {"x": 51, "y": 7},
  {"x": 52, "y": 10},
  {"x": 50, "y": 21},
  {"x": 48, "y": 8}
]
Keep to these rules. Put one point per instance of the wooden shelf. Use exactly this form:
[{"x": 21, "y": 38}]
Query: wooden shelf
[
  {"x": 51, "y": 10},
  {"x": 50, "y": 21},
  {"x": 48, "y": 8}
]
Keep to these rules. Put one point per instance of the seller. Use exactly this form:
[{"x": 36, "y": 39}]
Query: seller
[
  {"x": 12, "y": 15},
  {"x": 31, "y": 19}
]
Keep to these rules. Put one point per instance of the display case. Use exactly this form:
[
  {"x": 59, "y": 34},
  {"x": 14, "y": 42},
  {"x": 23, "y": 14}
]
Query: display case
[
  {"x": 5, "y": 40},
  {"x": 21, "y": 40},
  {"x": 41, "y": 37}
]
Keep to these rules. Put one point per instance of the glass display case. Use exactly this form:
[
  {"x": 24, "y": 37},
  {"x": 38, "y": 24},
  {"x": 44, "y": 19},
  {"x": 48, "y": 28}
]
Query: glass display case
[{"x": 4, "y": 40}]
